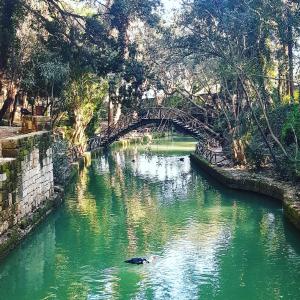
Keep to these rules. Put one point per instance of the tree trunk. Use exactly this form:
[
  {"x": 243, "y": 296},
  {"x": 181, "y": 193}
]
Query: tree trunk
[
  {"x": 280, "y": 84},
  {"x": 110, "y": 112},
  {"x": 12, "y": 115},
  {"x": 258, "y": 124},
  {"x": 118, "y": 112},
  {"x": 6, "y": 105},
  {"x": 261, "y": 79},
  {"x": 291, "y": 60}
]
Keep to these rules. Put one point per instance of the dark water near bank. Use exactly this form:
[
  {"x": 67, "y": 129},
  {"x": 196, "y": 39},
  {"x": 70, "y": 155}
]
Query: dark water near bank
[{"x": 210, "y": 242}]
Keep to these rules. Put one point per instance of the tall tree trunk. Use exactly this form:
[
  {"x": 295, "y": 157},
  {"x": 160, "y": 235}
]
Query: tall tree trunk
[
  {"x": 12, "y": 115},
  {"x": 6, "y": 105},
  {"x": 118, "y": 112},
  {"x": 290, "y": 44},
  {"x": 280, "y": 83},
  {"x": 258, "y": 123},
  {"x": 110, "y": 116},
  {"x": 261, "y": 79}
]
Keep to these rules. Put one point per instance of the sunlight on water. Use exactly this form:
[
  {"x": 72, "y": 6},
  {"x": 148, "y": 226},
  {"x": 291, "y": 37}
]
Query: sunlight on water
[{"x": 207, "y": 242}]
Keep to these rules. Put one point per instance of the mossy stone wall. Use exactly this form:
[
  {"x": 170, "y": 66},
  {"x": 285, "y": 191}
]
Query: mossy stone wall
[{"x": 26, "y": 180}]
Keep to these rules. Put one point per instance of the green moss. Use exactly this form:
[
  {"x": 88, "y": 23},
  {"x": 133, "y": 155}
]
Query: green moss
[
  {"x": 11, "y": 171},
  {"x": 24, "y": 223}
]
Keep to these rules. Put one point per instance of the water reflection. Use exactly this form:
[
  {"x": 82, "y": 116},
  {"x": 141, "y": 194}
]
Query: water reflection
[{"x": 210, "y": 242}]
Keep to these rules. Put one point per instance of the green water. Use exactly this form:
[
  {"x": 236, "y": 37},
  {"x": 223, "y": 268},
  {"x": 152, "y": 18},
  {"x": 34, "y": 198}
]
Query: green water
[{"x": 210, "y": 242}]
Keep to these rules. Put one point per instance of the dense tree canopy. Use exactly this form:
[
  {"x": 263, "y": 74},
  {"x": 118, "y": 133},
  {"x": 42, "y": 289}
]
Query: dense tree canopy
[{"x": 237, "y": 61}]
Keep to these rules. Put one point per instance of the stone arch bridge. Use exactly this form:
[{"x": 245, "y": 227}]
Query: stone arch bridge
[{"x": 209, "y": 145}]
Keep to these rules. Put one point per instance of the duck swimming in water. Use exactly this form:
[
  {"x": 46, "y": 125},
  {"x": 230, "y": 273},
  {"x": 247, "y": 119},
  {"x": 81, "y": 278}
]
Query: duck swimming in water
[
  {"x": 137, "y": 261},
  {"x": 141, "y": 260}
]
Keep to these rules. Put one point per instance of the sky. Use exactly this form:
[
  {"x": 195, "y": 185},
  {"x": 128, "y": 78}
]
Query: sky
[{"x": 170, "y": 5}]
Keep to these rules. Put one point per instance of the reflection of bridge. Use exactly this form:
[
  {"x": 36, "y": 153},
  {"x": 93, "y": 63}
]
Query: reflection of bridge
[{"x": 163, "y": 116}]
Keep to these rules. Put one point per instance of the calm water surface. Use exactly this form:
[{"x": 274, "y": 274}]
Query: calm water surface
[{"x": 210, "y": 242}]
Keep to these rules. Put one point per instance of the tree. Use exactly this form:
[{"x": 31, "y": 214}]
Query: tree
[
  {"x": 83, "y": 96},
  {"x": 11, "y": 13},
  {"x": 238, "y": 41}
]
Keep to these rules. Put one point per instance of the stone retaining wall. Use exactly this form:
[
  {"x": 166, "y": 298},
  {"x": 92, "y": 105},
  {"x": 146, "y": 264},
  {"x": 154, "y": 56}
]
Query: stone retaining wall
[
  {"x": 287, "y": 193},
  {"x": 26, "y": 183}
]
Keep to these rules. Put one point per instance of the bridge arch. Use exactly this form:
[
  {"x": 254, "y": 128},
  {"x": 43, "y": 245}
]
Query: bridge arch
[{"x": 181, "y": 121}]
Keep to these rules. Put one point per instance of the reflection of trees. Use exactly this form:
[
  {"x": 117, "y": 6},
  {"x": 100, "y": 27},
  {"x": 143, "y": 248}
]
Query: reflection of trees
[
  {"x": 145, "y": 198},
  {"x": 85, "y": 203},
  {"x": 122, "y": 208}
]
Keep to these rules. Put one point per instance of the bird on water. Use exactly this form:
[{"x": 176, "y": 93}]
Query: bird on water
[{"x": 137, "y": 261}]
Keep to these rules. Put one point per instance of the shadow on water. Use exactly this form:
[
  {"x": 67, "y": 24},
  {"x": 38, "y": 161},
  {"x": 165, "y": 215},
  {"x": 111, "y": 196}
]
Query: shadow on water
[{"x": 292, "y": 235}]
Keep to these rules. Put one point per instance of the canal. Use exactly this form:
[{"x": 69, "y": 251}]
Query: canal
[{"x": 207, "y": 241}]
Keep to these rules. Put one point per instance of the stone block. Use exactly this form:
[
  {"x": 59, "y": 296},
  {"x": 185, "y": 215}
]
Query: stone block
[
  {"x": 10, "y": 152},
  {"x": 11, "y": 143}
]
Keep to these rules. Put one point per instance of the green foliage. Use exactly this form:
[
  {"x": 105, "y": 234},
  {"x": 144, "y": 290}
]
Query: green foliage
[
  {"x": 11, "y": 12},
  {"x": 285, "y": 123},
  {"x": 84, "y": 95},
  {"x": 297, "y": 96},
  {"x": 174, "y": 101},
  {"x": 86, "y": 92},
  {"x": 45, "y": 74},
  {"x": 255, "y": 150},
  {"x": 290, "y": 132}
]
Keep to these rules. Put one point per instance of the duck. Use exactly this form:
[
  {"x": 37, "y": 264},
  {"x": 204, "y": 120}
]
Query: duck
[
  {"x": 141, "y": 260},
  {"x": 137, "y": 261}
]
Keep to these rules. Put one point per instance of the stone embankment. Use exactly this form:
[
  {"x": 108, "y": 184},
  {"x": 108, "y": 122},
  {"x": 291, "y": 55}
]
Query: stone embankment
[
  {"x": 288, "y": 194},
  {"x": 26, "y": 185}
]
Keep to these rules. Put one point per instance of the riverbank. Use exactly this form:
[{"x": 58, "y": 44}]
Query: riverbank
[{"x": 287, "y": 193}]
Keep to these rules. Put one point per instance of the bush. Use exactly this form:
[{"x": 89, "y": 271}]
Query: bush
[
  {"x": 291, "y": 127},
  {"x": 256, "y": 151}
]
